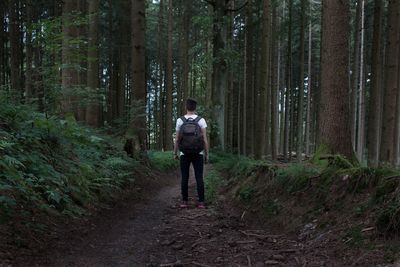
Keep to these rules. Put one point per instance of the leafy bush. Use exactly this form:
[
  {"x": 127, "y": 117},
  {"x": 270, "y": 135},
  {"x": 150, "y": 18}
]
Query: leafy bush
[
  {"x": 163, "y": 160},
  {"x": 55, "y": 165}
]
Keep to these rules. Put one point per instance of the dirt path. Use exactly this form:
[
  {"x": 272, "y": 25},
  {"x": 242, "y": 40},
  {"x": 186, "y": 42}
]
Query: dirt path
[{"x": 157, "y": 233}]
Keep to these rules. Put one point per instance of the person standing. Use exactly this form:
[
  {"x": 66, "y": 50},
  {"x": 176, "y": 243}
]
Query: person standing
[{"x": 191, "y": 141}]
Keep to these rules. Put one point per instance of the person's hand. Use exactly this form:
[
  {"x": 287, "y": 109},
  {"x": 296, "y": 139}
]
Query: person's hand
[{"x": 206, "y": 159}]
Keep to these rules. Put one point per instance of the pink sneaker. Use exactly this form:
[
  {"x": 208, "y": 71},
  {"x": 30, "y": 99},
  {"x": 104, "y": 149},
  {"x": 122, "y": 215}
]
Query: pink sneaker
[
  {"x": 201, "y": 205},
  {"x": 183, "y": 205}
]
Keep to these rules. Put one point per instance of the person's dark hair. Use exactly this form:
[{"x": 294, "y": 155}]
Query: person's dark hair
[{"x": 191, "y": 104}]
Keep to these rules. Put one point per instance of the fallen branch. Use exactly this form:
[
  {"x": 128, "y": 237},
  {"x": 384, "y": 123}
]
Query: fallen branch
[
  {"x": 258, "y": 235},
  {"x": 248, "y": 260}
]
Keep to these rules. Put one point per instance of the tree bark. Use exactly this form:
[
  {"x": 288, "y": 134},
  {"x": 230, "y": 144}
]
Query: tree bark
[
  {"x": 275, "y": 77},
  {"x": 300, "y": 107},
  {"x": 69, "y": 76},
  {"x": 375, "y": 109},
  {"x": 248, "y": 122},
  {"x": 288, "y": 90},
  {"x": 93, "y": 109},
  {"x": 264, "y": 81},
  {"x": 387, "y": 149},
  {"x": 361, "y": 97},
  {"x": 29, "y": 52},
  {"x": 161, "y": 111},
  {"x": 309, "y": 87},
  {"x": 334, "y": 130},
  {"x": 15, "y": 74},
  {"x": 355, "y": 76},
  {"x": 169, "y": 90},
  {"x": 219, "y": 73},
  {"x": 138, "y": 69}
]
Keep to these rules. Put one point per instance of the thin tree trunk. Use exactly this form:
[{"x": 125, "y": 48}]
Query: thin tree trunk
[
  {"x": 286, "y": 151},
  {"x": 264, "y": 81},
  {"x": 355, "y": 76},
  {"x": 168, "y": 111},
  {"x": 69, "y": 76},
  {"x": 387, "y": 149},
  {"x": 161, "y": 116},
  {"x": 219, "y": 73},
  {"x": 375, "y": 108},
  {"x": 138, "y": 69},
  {"x": 2, "y": 43},
  {"x": 248, "y": 122},
  {"x": 361, "y": 98},
  {"x": 300, "y": 112},
  {"x": 15, "y": 48},
  {"x": 309, "y": 87},
  {"x": 93, "y": 109},
  {"x": 275, "y": 73},
  {"x": 29, "y": 52},
  {"x": 334, "y": 131}
]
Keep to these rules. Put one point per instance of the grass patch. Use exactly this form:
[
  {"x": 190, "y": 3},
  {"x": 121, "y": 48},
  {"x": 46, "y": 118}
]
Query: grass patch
[
  {"x": 295, "y": 177},
  {"x": 163, "y": 160},
  {"x": 213, "y": 182}
]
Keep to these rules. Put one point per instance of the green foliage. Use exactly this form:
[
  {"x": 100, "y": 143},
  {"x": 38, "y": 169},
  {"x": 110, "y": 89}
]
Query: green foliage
[
  {"x": 212, "y": 184},
  {"x": 235, "y": 166},
  {"x": 388, "y": 221},
  {"x": 295, "y": 177},
  {"x": 163, "y": 160},
  {"x": 246, "y": 193},
  {"x": 53, "y": 165}
]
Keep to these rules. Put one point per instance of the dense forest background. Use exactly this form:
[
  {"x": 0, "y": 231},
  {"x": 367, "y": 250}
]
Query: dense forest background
[{"x": 275, "y": 79}]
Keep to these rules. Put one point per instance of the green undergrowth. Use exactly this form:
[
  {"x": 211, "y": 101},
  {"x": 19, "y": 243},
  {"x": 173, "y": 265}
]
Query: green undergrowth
[
  {"x": 307, "y": 191},
  {"x": 55, "y": 167},
  {"x": 213, "y": 182},
  {"x": 163, "y": 160}
]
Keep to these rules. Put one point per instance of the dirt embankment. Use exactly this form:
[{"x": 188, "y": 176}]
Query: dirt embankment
[{"x": 154, "y": 232}]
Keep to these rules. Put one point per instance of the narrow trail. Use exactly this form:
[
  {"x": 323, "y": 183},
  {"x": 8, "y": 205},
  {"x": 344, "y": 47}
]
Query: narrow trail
[{"x": 157, "y": 233}]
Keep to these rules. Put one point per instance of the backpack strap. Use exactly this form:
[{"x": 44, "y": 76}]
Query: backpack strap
[
  {"x": 198, "y": 118},
  {"x": 183, "y": 119}
]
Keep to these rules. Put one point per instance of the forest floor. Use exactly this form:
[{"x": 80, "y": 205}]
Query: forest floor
[{"x": 154, "y": 232}]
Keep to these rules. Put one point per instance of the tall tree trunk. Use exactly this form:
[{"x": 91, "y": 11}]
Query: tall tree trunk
[
  {"x": 248, "y": 122},
  {"x": 334, "y": 131},
  {"x": 93, "y": 110},
  {"x": 264, "y": 81},
  {"x": 160, "y": 48},
  {"x": 15, "y": 49},
  {"x": 219, "y": 73},
  {"x": 309, "y": 87},
  {"x": 29, "y": 51},
  {"x": 361, "y": 97},
  {"x": 300, "y": 107},
  {"x": 275, "y": 78},
  {"x": 138, "y": 69},
  {"x": 375, "y": 109},
  {"x": 169, "y": 91},
  {"x": 2, "y": 43},
  {"x": 81, "y": 59},
  {"x": 69, "y": 76},
  {"x": 387, "y": 149},
  {"x": 288, "y": 90},
  {"x": 355, "y": 75}
]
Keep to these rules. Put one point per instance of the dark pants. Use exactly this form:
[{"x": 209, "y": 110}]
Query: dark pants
[{"x": 198, "y": 164}]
